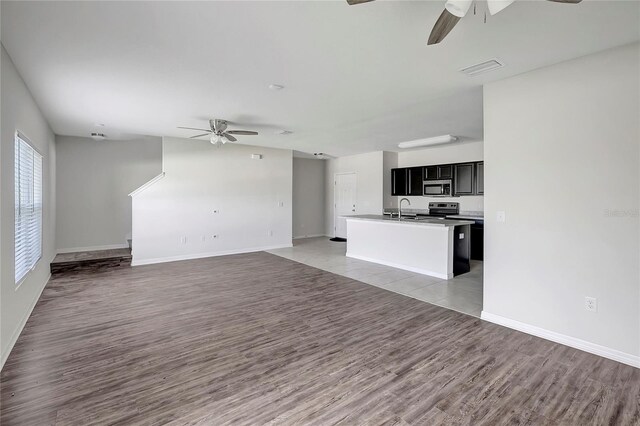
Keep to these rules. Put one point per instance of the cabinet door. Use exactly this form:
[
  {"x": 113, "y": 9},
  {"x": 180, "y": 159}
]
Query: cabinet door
[
  {"x": 398, "y": 181},
  {"x": 445, "y": 172},
  {"x": 480, "y": 178},
  {"x": 414, "y": 179},
  {"x": 463, "y": 179},
  {"x": 430, "y": 172}
]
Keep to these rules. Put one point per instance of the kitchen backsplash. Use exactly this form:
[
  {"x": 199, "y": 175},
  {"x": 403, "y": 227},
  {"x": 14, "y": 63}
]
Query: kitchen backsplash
[{"x": 467, "y": 204}]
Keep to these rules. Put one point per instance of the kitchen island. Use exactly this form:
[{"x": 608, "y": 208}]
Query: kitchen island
[{"x": 429, "y": 246}]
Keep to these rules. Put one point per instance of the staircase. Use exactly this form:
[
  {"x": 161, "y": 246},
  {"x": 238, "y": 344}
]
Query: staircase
[{"x": 87, "y": 261}]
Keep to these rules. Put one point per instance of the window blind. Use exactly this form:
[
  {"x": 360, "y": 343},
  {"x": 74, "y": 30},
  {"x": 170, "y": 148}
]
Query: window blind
[{"x": 28, "y": 207}]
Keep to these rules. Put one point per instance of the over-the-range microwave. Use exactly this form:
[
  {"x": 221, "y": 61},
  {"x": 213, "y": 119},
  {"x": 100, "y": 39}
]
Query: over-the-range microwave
[{"x": 437, "y": 188}]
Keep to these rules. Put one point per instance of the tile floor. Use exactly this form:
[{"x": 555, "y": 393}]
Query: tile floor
[{"x": 462, "y": 294}]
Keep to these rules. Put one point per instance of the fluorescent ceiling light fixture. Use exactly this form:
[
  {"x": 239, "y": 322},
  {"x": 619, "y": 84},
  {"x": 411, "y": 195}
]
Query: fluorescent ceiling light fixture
[
  {"x": 496, "y": 6},
  {"x": 437, "y": 140},
  {"x": 458, "y": 8}
]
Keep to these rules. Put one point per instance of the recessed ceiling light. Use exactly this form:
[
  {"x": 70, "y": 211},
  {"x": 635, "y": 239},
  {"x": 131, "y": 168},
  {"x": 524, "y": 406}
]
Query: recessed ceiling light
[
  {"x": 98, "y": 136},
  {"x": 276, "y": 87},
  {"x": 283, "y": 132}
]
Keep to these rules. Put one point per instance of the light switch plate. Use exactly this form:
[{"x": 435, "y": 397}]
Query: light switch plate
[{"x": 501, "y": 217}]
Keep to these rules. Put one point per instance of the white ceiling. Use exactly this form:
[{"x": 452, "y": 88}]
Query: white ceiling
[{"x": 358, "y": 78}]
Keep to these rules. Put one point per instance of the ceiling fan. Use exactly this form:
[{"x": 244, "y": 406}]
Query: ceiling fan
[
  {"x": 219, "y": 133},
  {"x": 457, "y": 9}
]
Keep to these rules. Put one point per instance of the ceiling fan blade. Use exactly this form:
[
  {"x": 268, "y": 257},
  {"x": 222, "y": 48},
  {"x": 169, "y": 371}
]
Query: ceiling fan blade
[
  {"x": 193, "y": 128},
  {"x": 443, "y": 26},
  {"x": 229, "y": 137},
  {"x": 352, "y": 2},
  {"x": 241, "y": 132},
  {"x": 199, "y": 136},
  {"x": 566, "y": 1}
]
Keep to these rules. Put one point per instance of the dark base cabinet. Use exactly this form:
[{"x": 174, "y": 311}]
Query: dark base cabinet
[
  {"x": 477, "y": 240},
  {"x": 461, "y": 249}
]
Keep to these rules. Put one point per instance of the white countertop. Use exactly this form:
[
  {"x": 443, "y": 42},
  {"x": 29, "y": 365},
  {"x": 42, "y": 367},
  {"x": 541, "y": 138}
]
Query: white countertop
[{"x": 423, "y": 222}]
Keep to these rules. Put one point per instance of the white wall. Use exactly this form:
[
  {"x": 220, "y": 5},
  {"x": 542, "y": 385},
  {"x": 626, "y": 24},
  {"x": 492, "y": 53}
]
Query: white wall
[
  {"x": 93, "y": 185},
  {"x": 562, "y": 160},
  {"x": 389, "y": 161},
  {"x": 20, "y": 112},
  {"x": 308, "y": 197},
  {"x": 201, "y": 178},
  {"x": 369, "y": 184},
  {"x": 442, "y": 154}
]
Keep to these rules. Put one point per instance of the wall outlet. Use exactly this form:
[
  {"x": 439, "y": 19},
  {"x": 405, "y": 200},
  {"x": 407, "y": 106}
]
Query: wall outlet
[
  {"x": 270, "y": 233},
  {"x": 591, "y": 304},
  {"x": 183, "y": 240},
  {"x": 501, "y": 217},
  {"x": 461, "y": 236},
  {"x": 280, "y": 203}
]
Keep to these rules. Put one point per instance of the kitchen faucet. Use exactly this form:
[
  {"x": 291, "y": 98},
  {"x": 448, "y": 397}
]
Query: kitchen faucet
[{"x": 400, "y": 207}]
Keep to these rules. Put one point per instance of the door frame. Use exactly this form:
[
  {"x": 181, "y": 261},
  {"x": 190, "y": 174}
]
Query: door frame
[{"x": 335, "y": 203}]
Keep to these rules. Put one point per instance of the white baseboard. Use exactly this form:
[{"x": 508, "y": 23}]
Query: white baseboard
[
  {"x": 93, "y": 248},
  {"x": 135, "y": 262},
  {"x": 309, "y": 236},
  {"x": 563, "y": 339},
  {"x": 398, "y": 266},
  {"x": 23, "y": 322}
]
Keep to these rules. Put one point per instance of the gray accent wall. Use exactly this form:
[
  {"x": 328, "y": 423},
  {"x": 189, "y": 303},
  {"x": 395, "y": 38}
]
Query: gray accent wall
[
  {"x": 308, "y": 197},
  {"x": 94, "y": 181},
  {"x": 21, "y": 113}
]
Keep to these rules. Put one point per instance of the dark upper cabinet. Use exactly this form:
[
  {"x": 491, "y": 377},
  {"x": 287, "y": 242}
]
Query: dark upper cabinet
[
  {"x": 463, "y": 181},
  {"x": 407, "y": 181},
  {"x": 399, "y": 181},
  {"x": 438, "y": 172},
  {"x": 468, "y": 178},
  {"x": 414, "y": 181},
  {"x": 445, "y": 172},
  {"x": 431, "y": 173},
  {"x": 480, "y": 178}
]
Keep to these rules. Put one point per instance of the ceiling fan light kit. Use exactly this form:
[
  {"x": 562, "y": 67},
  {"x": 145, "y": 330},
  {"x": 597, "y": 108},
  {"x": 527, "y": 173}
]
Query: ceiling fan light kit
[
  {"x": 496, "y": 6},
  {"x": 458, "y": 8},
  {"x": 436, "y": 140},
  {"x": 454, "y": 10},
  {"x": 218, "y": 133}
]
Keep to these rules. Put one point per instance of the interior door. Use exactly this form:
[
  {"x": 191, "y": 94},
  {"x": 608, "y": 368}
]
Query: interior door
[{"x": 345, "y": 201}]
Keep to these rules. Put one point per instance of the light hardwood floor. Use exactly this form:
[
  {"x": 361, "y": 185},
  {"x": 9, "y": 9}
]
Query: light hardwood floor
[{"x": 259, "y": 339}]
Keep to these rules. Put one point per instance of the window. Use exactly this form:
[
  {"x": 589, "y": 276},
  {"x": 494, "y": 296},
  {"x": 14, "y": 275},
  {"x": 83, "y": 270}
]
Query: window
[{"x": 28, "y": 207}]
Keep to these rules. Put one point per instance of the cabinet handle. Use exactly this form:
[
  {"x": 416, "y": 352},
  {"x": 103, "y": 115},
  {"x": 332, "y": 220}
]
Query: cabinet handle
[{"x": 409, "y": 181}]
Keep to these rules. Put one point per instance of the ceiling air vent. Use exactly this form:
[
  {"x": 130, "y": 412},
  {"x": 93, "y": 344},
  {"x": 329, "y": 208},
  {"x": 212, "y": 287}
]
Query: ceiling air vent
[{"x": 487, "y": 66}]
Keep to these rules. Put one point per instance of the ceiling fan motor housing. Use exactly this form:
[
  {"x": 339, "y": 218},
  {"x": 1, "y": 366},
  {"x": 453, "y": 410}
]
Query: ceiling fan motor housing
[{"x": 218, "y": 126}]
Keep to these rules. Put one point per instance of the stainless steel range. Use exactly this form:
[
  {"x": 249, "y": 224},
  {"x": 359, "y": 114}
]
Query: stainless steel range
[{"x": 443, "y": 209}]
